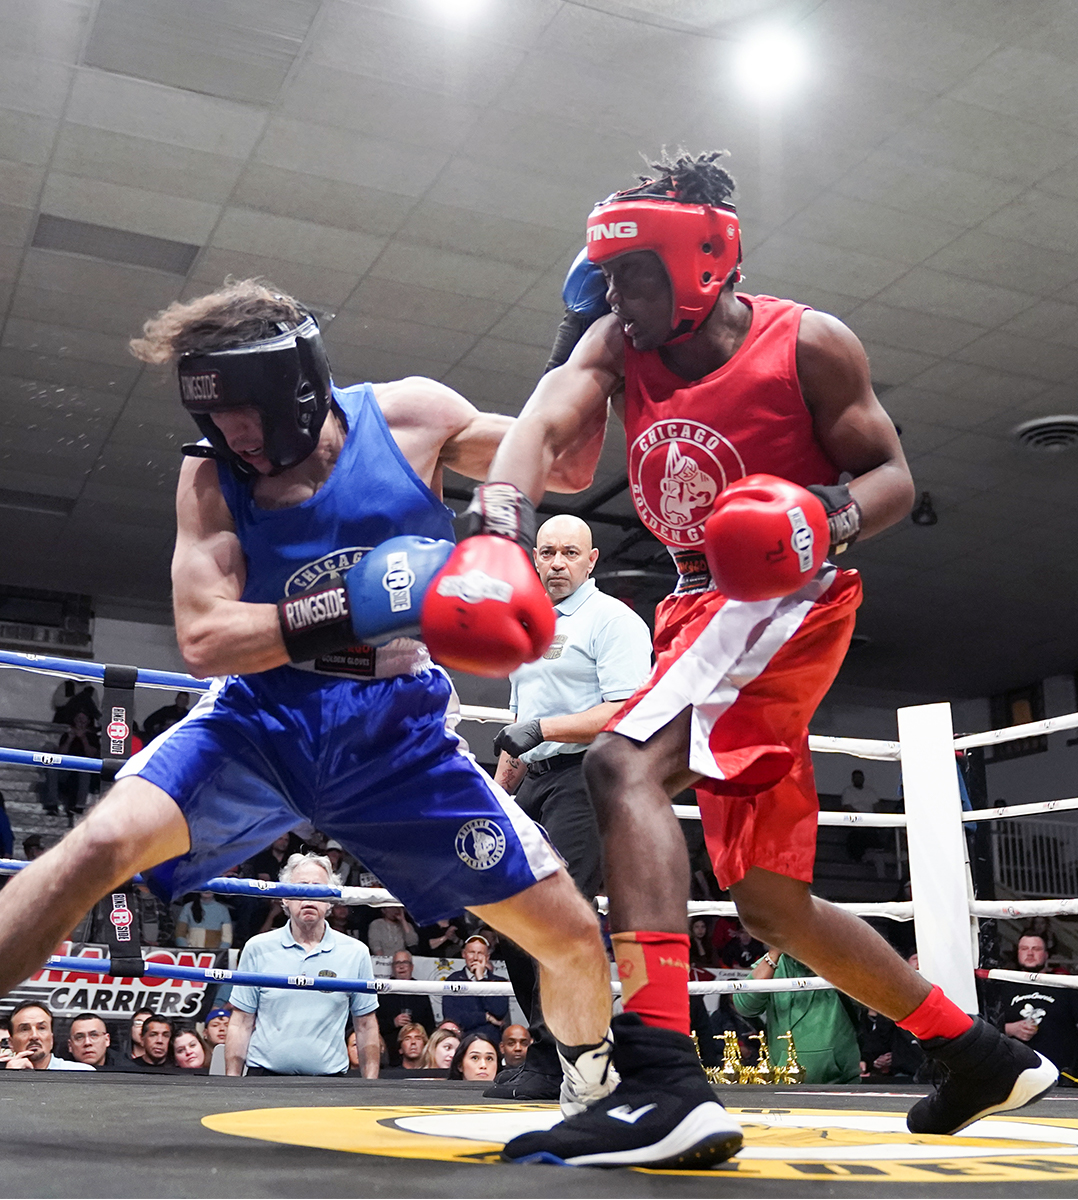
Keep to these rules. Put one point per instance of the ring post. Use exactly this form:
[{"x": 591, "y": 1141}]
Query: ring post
[{"x": 937, "y": 848}]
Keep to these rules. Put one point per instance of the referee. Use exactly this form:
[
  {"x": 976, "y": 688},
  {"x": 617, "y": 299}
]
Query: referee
[{"x": 600, "y": 655}]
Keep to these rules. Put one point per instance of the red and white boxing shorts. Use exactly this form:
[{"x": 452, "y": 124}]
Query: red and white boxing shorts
[{"x": 753, "y": 675}]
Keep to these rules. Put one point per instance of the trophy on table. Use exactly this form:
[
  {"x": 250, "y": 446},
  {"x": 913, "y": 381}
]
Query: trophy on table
[
  {"x": 763, "y": 1072},
  {"x": 791, "y": 1072}
]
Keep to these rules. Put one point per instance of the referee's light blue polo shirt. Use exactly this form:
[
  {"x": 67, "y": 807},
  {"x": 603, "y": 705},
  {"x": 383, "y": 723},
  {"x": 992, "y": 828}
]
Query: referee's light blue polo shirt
[
  {"x": 302, "y": 1032},
  {"x": 601, "y": 651}
]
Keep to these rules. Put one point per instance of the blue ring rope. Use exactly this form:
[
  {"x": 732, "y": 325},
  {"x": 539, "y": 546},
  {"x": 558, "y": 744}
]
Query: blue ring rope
[
  {"x": 317, "y": 983},
  {"x": 91, "y": 670}
]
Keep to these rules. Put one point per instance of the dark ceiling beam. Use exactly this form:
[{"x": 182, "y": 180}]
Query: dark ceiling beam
[
  {"x": 552, "y": 510},
  {"x": 605, "y": 496}
]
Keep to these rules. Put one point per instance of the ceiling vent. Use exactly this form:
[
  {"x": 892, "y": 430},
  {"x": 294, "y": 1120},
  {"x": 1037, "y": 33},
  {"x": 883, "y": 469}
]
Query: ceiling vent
[{"x": 1047, "y": 435}]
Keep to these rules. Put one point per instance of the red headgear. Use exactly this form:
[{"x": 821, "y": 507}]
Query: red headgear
[{"x": 698, "y": 244}]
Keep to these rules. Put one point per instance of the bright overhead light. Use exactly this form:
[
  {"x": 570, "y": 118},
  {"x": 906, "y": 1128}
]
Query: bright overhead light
[
  {"x": 455, "y": 10},
  {"x": 771, "y": 62}
]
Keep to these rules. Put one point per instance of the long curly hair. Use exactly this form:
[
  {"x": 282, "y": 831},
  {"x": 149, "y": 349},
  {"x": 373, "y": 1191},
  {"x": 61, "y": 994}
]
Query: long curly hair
[{"x": 243, "y": 310}]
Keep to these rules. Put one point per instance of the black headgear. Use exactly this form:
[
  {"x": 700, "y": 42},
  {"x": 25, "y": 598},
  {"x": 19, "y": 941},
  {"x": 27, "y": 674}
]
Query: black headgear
[{"x": 285, "y": 377}]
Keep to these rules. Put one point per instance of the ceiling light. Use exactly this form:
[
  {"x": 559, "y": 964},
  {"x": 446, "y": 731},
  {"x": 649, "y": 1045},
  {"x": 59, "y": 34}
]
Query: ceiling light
[
  {"x": 1048, "y": 435},
  {"x": 771, "y": 62},
  {"x": 455, "y": 10},
  {"x": 924, "y": 513}
]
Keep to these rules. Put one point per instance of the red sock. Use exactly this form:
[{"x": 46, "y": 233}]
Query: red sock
[
  {"x": 654, "y": 971},
  {"x": 935, "y": 1017}
]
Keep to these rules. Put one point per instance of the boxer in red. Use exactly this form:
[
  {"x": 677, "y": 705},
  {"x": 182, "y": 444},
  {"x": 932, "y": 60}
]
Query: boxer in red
[{"x": 714, "y": 387}]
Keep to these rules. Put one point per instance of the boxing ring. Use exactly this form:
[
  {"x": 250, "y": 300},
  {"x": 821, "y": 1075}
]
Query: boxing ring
[{"x": 943, "y": 910}]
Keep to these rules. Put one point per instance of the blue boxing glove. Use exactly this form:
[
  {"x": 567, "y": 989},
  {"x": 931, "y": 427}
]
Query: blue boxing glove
[
  {"x": 584, "y": 293},
  {"x": 378, "y": 600},
  {"x": 584, "y": 290}
]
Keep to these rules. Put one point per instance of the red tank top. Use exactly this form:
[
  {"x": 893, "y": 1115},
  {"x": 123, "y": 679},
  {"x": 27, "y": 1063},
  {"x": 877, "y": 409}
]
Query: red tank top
[{"x": 687, "y": 440}]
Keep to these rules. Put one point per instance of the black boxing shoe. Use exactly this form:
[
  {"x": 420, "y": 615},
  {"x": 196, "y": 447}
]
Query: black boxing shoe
[
  {"x": 984, "y": 1073},
  {"x": 662, "y": 1114}
]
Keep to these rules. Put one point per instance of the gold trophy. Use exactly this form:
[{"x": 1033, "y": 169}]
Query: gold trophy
[
  {"x": 763, "y": 1072},
  {"x": 732, "y": 1066},
  {"x": 714, "y": 1074},
  {"x": 792, "y": 1072}
]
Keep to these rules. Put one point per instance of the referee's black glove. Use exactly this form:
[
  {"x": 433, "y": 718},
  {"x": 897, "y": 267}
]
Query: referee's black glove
[{"x": 518, "y": 739}]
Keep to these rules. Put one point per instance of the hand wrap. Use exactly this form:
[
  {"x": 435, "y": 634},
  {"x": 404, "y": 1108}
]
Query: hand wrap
[{"x": 843, "y": 514}]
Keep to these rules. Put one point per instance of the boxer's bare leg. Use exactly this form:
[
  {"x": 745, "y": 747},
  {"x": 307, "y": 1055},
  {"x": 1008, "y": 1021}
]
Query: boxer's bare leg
[
  {"x": 553, "y": 922},
  {"x": 783, "y": 913},
  {"x": 134, "y": 827}
]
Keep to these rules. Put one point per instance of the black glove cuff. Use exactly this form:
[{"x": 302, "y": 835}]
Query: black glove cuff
[
  {"x": 316, "y": 622},
  {"x": 843, "y": 514},
  {"x": 500, "y": 509}
]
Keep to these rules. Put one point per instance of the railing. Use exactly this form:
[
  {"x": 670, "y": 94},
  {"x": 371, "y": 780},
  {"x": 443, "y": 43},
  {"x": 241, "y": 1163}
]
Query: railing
[{"x": 1036, "y": 858}]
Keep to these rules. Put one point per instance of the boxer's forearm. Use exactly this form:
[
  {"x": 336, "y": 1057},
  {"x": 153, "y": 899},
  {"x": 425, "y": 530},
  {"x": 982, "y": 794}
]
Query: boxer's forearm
[{"x": 230, "y": 637}]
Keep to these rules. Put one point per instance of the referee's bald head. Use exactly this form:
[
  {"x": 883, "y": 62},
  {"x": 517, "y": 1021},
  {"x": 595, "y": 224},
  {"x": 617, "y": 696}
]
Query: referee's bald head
[{"x": 564, "y": 555}]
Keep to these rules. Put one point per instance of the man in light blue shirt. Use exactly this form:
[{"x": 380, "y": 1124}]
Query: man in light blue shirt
[{"x": 285, "y": 1032}]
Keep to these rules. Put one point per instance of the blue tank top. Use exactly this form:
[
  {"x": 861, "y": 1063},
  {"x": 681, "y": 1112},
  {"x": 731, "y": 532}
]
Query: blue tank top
[{"x": 372, "y": 494}]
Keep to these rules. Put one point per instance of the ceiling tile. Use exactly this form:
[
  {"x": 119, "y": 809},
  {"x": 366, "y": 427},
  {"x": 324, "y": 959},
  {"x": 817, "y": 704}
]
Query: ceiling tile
[
  {"x": 1041, "y": 219},
  {"x": 1024, "y": 83},
  {"x": 871, "y": 229},
  {"x": 26, "y": 137},
  {"x": 527, "y": 326},
  {"x": 113, "y": 245},
  {"x": 323, "y": 150},
  {"x": 53, "y": 29},
  {"x": 34, "y": 85},
  {"x": 412, "y": 53},
  {"x": 106, "y": 283},
  {"x": 513, "y": 358},
  {"x": 165, "y": 114},
  {"x": 239, "y": 49},
  {"x": 20, "y": 184},
  {"x": 313, "y": 245},
  {"x": 990, "y": 389},
  {"x": 100, "y": 377},
  {"x": 968, "y": 138},
  {"x": 322, "y": 201},
  {"x": 44, "y": 338},
  {"x": 1004, "y": 260},
  {"x": 893, "y": 366},
  {"x": 52, "y": 307},
  {"x": 425, "y": 266},
  {"x": 906, "y": 329},
  {"x": 515, "y": 195},
  {"x": 394, "y": 300},
  {"x": 1038, "y": 359},
  {"x": 1050, "y": 321},
  {"x": 846, "y": 271},
  {"x": 762, "y": 284},
  {"x": 313, "y": 285},
  {"x": 371, "y": 364},
  {"x": 146, "y": 164},
  {"x": 493, "y": 391},
  {"x": 466, "y": 231},
  {"x": 932, "y": 190},
  {"x": 950, "y": 296},
  {"x": 135, "y": 209},
  {"x": 376, "y": 107},
  {"x": 397, "y": 336},
  {"x": 15, "y": 224}
]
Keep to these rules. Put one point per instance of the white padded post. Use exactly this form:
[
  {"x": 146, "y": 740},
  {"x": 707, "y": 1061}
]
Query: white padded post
[{"x": 937, "y": 845}]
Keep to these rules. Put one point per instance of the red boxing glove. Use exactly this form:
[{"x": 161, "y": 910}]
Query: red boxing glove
[
  {"x": 485, "y": 611},
  {"x": 766, "y": 538}
]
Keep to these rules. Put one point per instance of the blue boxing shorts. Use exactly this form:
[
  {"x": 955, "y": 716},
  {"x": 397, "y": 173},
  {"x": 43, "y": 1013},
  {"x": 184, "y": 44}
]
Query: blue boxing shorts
[{"x": 371, "y": 763}]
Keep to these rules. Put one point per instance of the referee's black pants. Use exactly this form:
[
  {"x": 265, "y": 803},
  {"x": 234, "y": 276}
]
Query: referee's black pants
[{"x": 554, "y": 795}]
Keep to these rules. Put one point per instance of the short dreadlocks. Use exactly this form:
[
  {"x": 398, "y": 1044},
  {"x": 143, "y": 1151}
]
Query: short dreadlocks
[{"x": 693, "y": 179}]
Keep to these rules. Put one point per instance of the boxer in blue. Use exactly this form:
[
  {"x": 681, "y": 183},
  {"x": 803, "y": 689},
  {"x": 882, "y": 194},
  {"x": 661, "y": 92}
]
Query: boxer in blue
[{"x": 309, "y": 520}]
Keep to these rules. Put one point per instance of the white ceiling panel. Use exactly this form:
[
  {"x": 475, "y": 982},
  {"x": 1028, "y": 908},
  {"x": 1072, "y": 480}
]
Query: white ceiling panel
[
  {"x": 369, "y": 364},
  {"x": 393, "y": 300},
  {"x": 144, "y": 163},
  {"x": 49, "y": 29},
  {"x": 323, "y": 150},
  {"x": 1033, "y": 85},
  {"x": 511, "y": 358},
  {"x": 365, "y": 330},
  {"x": 1007, "y": 261},
  {"x": 1041, "y": 219},
  {"x": 43, "y": 338},
  {"x": 15, "y": 224},
  {"x": 445, "y": 270},
  {"x": 949, "y": 295},
  {"x": 871, "y": 229},
  {"x": 893, "y": 366},
  {"x": 317, "y": 286},
  {"x": 1049, "y": 321},
  {"x": 848, "y": 272},
  {"x": 1041, "y": 360},
  {"x": 166, "y": 114},
  {"x": 128, "y": 208},
  {"x": 305, "y": 242},
  {"x": 465, "y": 230},
  {"x": 904, "y": 328},
  {"x": 323, "y": 201},
  {"x": 26, "y": 137},
  {"x": 34, "y": 85}
]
